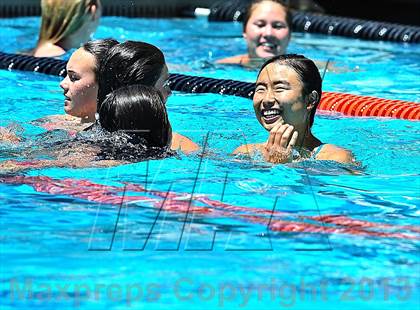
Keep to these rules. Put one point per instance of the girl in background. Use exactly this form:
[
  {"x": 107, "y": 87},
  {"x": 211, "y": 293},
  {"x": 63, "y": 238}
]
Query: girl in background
[
  {"x": 266, "y": 30},
  {"x": 65, "y": 25}
]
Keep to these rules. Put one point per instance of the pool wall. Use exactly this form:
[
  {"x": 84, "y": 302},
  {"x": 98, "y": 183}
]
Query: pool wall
[
  {"x": 233, "y": 10},
  {"x": 395, "y": 11}
]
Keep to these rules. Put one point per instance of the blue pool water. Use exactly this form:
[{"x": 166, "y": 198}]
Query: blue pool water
[{"x": 76, "y": 249}]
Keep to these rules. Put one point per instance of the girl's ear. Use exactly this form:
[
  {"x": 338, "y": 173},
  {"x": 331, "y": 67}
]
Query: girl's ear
[{"x": 313, "y": 98}]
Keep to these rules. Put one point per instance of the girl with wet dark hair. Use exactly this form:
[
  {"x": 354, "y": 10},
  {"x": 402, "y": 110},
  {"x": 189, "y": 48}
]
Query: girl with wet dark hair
[
  {"x": 139, "y": 112},
  {"x": 133, "y": 126},
  {"x": 80, "y": 88},
  {"x": 99, "y": 48},
  {"x": 287, "y": 93},
  {"x": 135, "y": 62},
  {"x": 132, "y": 63}
]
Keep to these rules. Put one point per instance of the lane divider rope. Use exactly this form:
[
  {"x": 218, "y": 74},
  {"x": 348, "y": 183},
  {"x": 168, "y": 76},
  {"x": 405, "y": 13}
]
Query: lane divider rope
[{"x": 346, "y": 104}]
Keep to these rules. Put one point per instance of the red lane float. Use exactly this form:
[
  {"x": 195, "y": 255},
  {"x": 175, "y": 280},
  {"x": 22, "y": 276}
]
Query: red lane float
[
  {"x": 184, "y": 203},
  {"x": 355, "y": 105}
]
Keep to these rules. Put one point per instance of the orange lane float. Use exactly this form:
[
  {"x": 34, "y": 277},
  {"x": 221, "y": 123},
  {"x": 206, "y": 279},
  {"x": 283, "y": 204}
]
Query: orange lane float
[{"x": 355, "y": 105}]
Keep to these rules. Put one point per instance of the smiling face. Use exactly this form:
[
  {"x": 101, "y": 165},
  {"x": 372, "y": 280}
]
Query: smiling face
[
  {"x": 267, "y": 33},
  {"x": 80, "y": 86},
  {"x": 278, "y": 98}
]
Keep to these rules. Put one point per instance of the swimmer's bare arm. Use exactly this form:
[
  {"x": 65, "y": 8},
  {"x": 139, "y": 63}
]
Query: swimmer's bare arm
[
  {"x": 61, "y": 121},
  {"x": 184, "y": 144},
  {"x": 64, "y": 122},
  {"x": 248, "y": 149},
  {"x": 54, "y": 118},
  {"x": 277, "y": 149},
  {"x": 274, "y": 152},
  {"x": 17, "y": 166},
  {"x": 234, "y": 60}
]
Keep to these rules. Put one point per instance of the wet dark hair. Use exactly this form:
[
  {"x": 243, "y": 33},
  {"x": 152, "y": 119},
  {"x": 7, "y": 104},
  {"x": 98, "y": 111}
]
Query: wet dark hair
[
  {"x": 308, "y": 74},
  {"x": 129, "y": 63},
  {"x": 99, "y": 48},
  {"x": 139, "y": 112},
  {"x": 250, "y": 8}
]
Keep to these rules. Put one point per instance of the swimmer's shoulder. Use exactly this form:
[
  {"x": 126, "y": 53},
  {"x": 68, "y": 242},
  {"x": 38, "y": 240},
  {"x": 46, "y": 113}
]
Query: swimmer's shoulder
[
  {"x": 335, "y": 153},
  {"x": 48, "y": 49},
  {"x": 62, "y": 118},
  {"x": 234, "y": 60},
  {"x": 61, "y": 121},
  {"x": 55, "y": 119},
  {"x": 184, "y": 144}
]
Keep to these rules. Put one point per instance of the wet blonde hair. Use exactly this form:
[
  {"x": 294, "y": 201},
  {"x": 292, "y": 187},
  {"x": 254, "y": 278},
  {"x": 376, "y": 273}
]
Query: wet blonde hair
[{"x": 61, "y": 18}]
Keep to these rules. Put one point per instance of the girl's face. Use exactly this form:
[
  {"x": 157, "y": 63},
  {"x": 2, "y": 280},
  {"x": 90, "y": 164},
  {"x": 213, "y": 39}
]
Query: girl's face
[
  {"x": 267, "y": 33},
  {"x": 80, "y": 86},
  {"x": 278, "y": 98}
]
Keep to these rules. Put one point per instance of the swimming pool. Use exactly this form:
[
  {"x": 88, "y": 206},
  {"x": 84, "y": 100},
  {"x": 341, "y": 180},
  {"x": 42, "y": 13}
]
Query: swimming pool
[{"x": 72, "y": 243}]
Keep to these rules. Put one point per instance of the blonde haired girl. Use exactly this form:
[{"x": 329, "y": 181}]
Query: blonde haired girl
[{"x": 66, "y": 24}]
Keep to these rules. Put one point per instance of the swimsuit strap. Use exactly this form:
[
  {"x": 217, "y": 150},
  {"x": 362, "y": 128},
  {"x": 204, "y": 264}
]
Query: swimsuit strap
[{"x": 317, "y": 150}]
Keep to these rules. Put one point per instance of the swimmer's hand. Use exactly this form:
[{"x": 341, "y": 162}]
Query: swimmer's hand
[{"x": 279, "y": 147}]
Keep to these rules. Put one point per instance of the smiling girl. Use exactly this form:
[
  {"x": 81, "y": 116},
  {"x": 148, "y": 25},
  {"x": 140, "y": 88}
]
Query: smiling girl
[
  {"x": 287, "y": 93},
  {"x": 266, "y": 30},
  {"x": 66, "y": 25}
]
